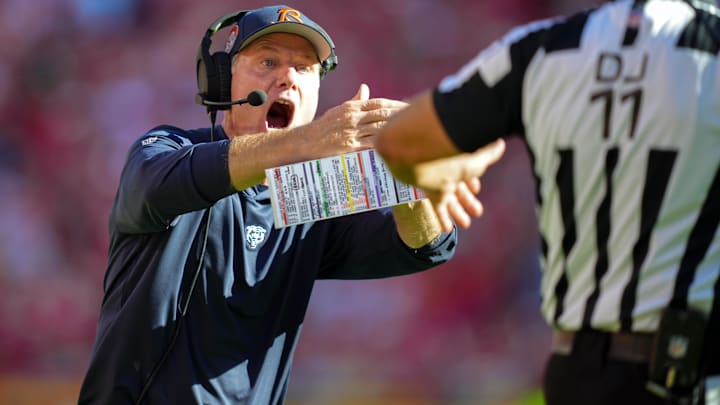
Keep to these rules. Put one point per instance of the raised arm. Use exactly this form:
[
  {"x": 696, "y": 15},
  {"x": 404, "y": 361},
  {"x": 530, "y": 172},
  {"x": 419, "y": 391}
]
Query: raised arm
[
  {"x": 418, "y": 151},
  {"x": 348, "y": 127}
]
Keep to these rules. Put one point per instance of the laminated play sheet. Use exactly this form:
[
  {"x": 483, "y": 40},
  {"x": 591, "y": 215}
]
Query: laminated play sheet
[{"x": 334, "y": 186}]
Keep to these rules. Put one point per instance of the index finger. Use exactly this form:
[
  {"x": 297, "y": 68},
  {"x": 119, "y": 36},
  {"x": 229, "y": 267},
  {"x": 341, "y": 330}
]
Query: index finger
[{"x": 376, "y": 103}]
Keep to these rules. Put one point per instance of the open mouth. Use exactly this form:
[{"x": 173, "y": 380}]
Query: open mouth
[{"x": 280, "y": 114}]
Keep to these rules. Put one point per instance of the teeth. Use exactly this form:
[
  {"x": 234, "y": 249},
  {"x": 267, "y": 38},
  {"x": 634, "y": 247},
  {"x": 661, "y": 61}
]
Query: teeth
[{"x": 283, "y": 102}]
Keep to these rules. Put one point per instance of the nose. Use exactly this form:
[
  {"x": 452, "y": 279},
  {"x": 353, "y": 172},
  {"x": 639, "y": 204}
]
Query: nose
[{"x": 287, "y": 77}]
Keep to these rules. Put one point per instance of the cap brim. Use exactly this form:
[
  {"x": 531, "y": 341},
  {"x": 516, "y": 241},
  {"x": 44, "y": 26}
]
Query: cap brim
[{"x": 318, "y": 41}]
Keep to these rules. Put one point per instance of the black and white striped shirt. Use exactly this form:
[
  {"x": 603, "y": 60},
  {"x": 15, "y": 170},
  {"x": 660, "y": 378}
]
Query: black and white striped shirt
[{"x": 620, "y": 109}]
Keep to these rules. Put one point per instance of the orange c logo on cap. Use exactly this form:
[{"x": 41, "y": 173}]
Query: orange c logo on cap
[
  {"x": 289, "y": 14},
  {"x": 231, "y": 38}
]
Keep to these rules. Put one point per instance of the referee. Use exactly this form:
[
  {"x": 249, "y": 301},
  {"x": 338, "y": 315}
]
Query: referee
[{"x": 619, "y": 107}]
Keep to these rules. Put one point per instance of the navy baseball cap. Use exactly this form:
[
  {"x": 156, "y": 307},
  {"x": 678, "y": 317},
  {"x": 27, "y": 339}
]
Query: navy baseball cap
[{"x": 266, "y": 20}]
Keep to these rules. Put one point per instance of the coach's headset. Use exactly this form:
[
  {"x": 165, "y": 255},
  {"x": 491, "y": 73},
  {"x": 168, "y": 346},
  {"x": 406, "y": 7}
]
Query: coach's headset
[{"x": 214, "y": 70}]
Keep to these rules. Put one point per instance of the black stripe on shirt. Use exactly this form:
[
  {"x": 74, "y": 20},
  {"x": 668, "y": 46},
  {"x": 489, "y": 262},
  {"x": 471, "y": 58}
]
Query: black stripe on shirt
[
  {"x": 633, "y": 23},
  {"x": 566, "y": 185},
  {"x": 713, "y": 334},
  {"x": 659, "y": 168},
  {"x": 701, "y": 238},
  {"x": 602, "y": 235}
]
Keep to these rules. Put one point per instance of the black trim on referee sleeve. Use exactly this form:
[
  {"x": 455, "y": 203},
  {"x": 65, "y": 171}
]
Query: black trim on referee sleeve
[
  {"x": 701, "y": 238},
  {"x": 476, "y": 114},
  {"x": 701, "y": 33},
  {"x": 566, "y": 35}
]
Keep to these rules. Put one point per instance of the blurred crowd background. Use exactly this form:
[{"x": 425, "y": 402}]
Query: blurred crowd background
[{"x": 81, "y": 79}]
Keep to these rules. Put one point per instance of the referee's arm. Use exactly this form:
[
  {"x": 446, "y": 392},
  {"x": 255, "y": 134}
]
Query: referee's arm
[
  {"x": 418, "y": 151},
  {"x": 412, "y": 136}
]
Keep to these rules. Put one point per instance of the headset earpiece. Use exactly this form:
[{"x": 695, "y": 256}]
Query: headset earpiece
[
  {"x": 213, "y": 71},
  {"x": 224, "y": 75},
  {"x": 204, "y": 70},
  {"x": 328, "y": 64}
]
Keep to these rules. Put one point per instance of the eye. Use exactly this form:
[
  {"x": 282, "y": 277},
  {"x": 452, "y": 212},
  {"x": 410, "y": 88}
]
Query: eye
[
  {"x": 268, "y": 63},
  {"x": 308, "y": 68}
]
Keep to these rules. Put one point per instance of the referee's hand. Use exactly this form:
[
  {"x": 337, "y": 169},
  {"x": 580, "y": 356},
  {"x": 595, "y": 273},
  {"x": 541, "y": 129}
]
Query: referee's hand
[{"x": 452, "y": 184}]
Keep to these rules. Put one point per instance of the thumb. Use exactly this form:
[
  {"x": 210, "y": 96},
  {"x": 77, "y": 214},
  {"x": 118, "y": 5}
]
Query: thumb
[
  {"x": 363, "y": 93},
  {"x": 495, "y": 151},
  {"x": 484, "y": 157}
]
